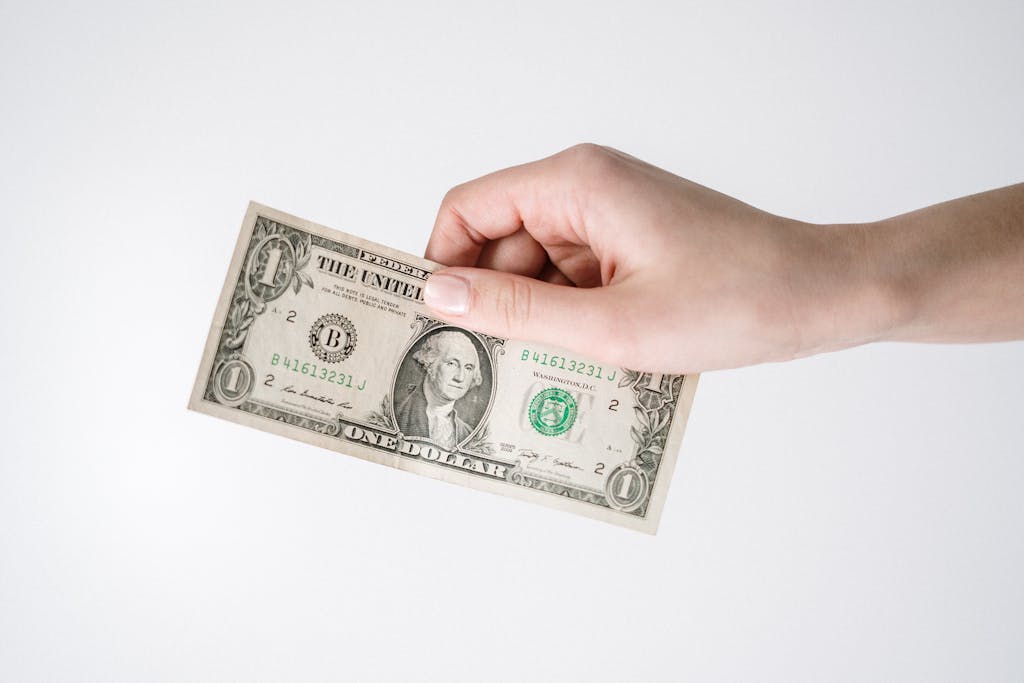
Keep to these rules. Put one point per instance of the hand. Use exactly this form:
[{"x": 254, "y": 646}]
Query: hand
[{"x": 598, "y": 252}]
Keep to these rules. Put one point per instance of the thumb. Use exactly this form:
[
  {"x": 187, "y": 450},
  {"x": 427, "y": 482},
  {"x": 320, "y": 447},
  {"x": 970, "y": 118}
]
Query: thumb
[{"x": 519, "y": 307}]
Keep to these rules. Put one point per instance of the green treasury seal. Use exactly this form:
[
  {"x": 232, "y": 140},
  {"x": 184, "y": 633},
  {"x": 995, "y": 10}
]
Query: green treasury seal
[{"x": 552, "y": 412}]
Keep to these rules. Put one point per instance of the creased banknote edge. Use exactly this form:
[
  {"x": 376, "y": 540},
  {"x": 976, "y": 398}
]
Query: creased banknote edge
[
  {"x": 673, "y": 445},
  {"x": 223, "y": 303},
  {"x": 647, "y": 525}
]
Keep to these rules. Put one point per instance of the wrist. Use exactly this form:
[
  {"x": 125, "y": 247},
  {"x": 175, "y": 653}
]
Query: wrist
[{"x": 859, "y": 300}]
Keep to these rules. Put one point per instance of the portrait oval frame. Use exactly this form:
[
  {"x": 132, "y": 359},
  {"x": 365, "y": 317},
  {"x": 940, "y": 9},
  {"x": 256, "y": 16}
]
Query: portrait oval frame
[{"x": 486, "y": 354}]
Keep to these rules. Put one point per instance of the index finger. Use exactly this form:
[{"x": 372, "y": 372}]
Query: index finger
[{"x": 531, "y": 196}]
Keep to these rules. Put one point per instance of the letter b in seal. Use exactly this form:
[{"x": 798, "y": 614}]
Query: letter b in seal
[{"x": 333, "y": 338}]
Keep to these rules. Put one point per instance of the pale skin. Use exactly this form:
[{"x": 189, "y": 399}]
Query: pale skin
[{"x": 596, "y": 251}]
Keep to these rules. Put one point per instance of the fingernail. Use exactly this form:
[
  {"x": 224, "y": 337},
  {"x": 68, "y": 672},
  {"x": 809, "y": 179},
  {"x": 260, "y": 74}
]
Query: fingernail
[{"x": 447, "y": 293}]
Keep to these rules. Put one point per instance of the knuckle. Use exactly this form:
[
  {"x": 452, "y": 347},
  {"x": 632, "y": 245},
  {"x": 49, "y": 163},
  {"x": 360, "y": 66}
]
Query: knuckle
[
  {"x": 514, "y": 304},
  {"x": 451, "y": 196},
  {"x": 591, "y": 161},
  {"x": 453, "y": 223},
  {"x": 586, "y": 154},
  {"x": 586, "y": 149}
]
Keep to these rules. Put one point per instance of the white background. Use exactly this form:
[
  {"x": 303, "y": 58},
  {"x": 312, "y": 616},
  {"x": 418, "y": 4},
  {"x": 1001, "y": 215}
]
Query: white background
[{"x": 855, "y": 516}]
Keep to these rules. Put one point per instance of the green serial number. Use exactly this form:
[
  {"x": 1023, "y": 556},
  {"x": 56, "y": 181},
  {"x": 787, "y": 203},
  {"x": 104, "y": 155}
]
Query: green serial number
[
  {"x": 311, "y": 370},
  {"x": 571, "y": 364}
]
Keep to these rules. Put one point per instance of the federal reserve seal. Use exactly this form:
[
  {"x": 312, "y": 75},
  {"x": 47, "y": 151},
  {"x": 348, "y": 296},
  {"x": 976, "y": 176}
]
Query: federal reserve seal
[
  {"x": 333, "y": 338},
  {"x": 553, "y": 412}
]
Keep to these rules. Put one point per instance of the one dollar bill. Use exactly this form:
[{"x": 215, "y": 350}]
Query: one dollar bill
[{"x": 323, "y": 337}]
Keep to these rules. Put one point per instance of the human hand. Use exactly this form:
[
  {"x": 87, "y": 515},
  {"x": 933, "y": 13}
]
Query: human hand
[{"x": 599, "y": 252}]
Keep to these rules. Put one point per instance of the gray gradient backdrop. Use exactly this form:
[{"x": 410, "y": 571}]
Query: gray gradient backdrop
[{"x": 856, "y": 516}]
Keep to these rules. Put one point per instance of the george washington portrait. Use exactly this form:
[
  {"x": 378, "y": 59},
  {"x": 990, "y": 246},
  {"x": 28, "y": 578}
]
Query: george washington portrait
[{"x": 442, "y": 387}]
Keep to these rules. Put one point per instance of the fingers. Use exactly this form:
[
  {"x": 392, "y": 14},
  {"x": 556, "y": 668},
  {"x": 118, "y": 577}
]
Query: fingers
[
  {"x": 476, "y": 212},
  {"x": 519, "y": 307},
  {"x": 517, "y": 253},
  {"x": 551, "y": 273},
  {"x": 501, "y": 231},
  {"x": 520, "y": 254},
  {"x": 537, "y": 196}
]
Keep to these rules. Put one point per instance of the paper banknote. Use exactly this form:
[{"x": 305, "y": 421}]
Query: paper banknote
[{"x": 323, "y": 337}]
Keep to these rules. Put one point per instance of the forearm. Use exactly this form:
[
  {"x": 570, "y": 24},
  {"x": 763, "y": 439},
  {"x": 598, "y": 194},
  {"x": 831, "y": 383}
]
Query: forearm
[{"x": 952, "y": 272}]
